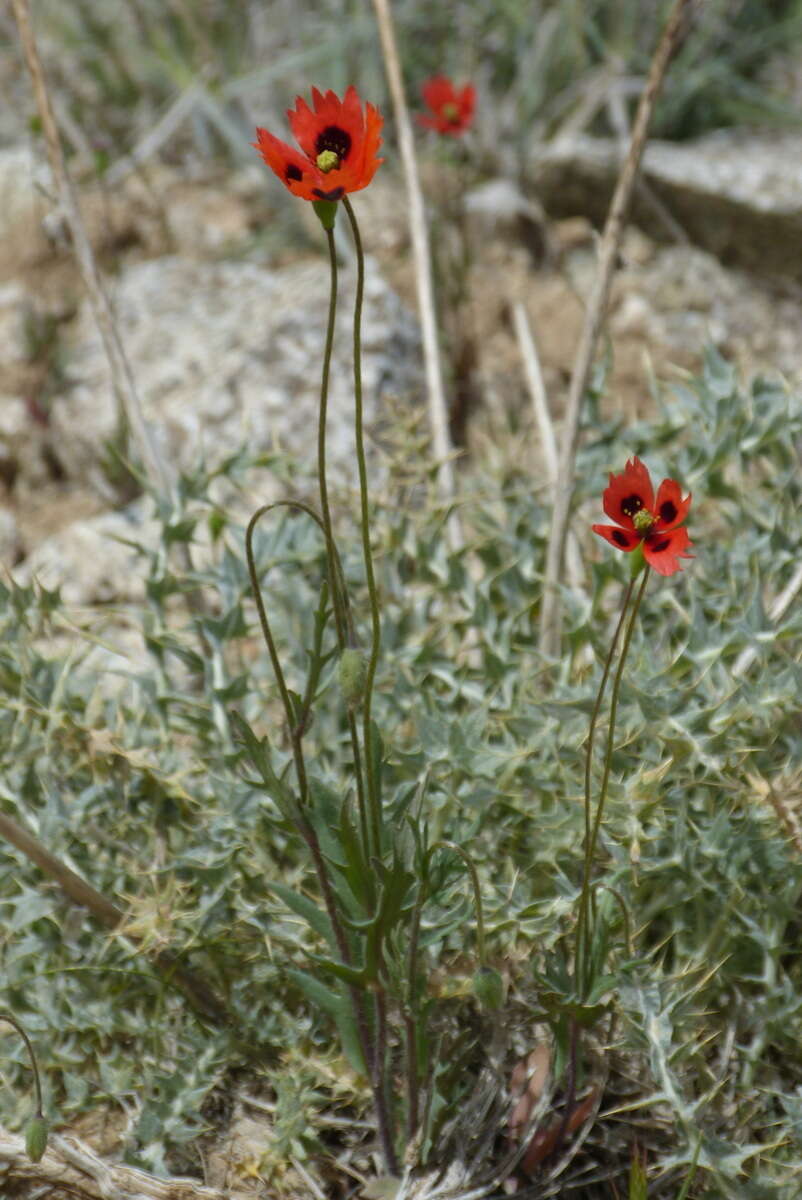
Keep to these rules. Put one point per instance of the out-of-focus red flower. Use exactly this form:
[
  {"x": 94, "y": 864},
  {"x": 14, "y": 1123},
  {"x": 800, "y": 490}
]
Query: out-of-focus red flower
[
  {"x": 339, "y": 141},
  {"x": 451, "y": 109},
  {"x": 643, "y": 520}
]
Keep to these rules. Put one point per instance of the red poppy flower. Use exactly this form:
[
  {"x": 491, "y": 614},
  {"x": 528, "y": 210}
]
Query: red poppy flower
[
  {"x": 451, "y": 110},
  {"x": 655, "y": 524},
  {"x": 339, "y": 143}
]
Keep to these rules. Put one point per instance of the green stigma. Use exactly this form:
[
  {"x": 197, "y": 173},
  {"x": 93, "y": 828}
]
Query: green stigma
[
  {"x": 450, "y": 112},
  {"x": 643, "y": 520},
  {"x": 327, "y": 161}
]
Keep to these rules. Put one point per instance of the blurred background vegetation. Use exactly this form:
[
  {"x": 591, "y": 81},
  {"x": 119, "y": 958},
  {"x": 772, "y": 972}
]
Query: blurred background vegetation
[{"x": 537, "y": 63}]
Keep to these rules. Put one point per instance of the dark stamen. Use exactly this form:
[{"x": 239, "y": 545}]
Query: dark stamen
[
  {"x": 334, "y": 194},
  {"x": 668, "y": 512},
  {"x": 335, "y": 139},
  {"x": 631, "y": 505},
  {"x": 293, "y": 172},
  {"x": 620, "y": 538},
  {"x": 658, "y": 547}
]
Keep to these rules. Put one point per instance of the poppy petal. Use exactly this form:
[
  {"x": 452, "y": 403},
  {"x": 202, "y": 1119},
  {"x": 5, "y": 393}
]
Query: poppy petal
[
  {"x": 467, "y": 104},
  {"x": 370, "y": 163},
  {"x": 663, "y": 550},
  {"x": 622, "y": 539},
  {"x": 304, "y": 126},
  {"x": 669, "y": 507},
  {"x": 292, "y": 168},
  {"x": 628, "y": 493},
  {"x": 332, "y": 124},
  {"x": 437, "y": 91}
]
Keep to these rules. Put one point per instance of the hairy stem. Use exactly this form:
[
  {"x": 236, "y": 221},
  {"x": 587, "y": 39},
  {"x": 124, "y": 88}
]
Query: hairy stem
[
  {"x": 342, "y": 616},
  {"x": 296, "y": 735},
  {"x": 375, "y": 1055},
  {"x": 7, "y": 1017},
  {"x": 380, "y": 1095},
  {"x": 583, "y": 901},
  {"x": 375, "y": 619},
  {"x": 608, "y": 756},
  {"x": 477, "y": 893}
]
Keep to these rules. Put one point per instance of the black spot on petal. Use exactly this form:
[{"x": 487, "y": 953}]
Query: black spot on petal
[
  {"x": 333, "y": 138},
  {"x": 658, "y": 546},
  {"x": 631, "y": 504},
  {"x": 668, "y": 511},
  {"x": 620, "y": 538},
  {"x": 293, "y": 172},
  {"x": 335, "y": 193}
]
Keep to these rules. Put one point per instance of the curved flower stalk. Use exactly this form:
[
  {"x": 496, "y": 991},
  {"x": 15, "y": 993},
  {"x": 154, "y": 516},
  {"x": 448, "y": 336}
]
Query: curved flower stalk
[{"x": 37, "y": 1129}]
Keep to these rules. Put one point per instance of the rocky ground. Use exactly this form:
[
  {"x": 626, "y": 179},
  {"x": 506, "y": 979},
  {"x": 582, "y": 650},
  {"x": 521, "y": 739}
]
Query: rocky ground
[
  {"x": 220, "y": 293},
  {"x": 222, "y": 318}
]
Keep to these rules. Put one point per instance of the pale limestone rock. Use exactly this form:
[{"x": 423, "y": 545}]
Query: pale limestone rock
[
  {"x": 735, "y": 193},
  {"x": 225, "y": 353},
  {"x": 90, "y": 561}
]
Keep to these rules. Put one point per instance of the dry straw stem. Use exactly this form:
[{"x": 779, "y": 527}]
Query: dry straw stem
[
  {"x": 784, "y": 813},
  {"x": 545, "y": 426},
  {"x": 197, "y": 991},
  {"x": 438, "y": 409},
  {"x": 595, "y": 313},
  {"x": 70, "y": 1165},
  {"x": 128, "y": 403}
]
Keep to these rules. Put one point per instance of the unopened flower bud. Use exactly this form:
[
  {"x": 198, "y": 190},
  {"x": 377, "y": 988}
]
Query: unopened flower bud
[
  {"x": 36, "y": 1138},
  {"x": 488, "y": 987},
  {"x": 351, "y": 673}
]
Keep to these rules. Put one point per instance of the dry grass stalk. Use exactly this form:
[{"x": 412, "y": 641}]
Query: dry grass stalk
[
  {"x": 438, "y": 409},
  {"x": 125, "y": 392},
  {"x": 70, "y": 1165},
  {"x": 551, "y": 615},
  {"x": 545, "y": 426},
  {"x": 78, "y": 891},
  {"x": 785, "y": 815}
]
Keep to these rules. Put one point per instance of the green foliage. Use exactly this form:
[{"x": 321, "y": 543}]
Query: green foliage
[{"x": 169, "y": 787}]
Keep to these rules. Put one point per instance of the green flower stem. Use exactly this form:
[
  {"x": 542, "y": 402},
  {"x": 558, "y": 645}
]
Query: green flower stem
[
  {"x": 306, "y": 830},
  {"x": 297, "y": 727},
  {"x": 10, "y": 1020},
  {"x": 379, "y": 1081},
  {"x": 584, "y": 895},
  {"x": 372, "y": 769},
  {"x": 410, "y": 1018},
  {"x": 583, "y": 945},
  {"x": 410, "y": 1024},
  {"x": 477, "y": 892},
  {"x": 411, "y": 1071},
  {"x": 375, "y": 1055},
  {"x": 321, "y": 439},
  {"x": 296, "y": 736},
  {"x": 342, "y": 615}
]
